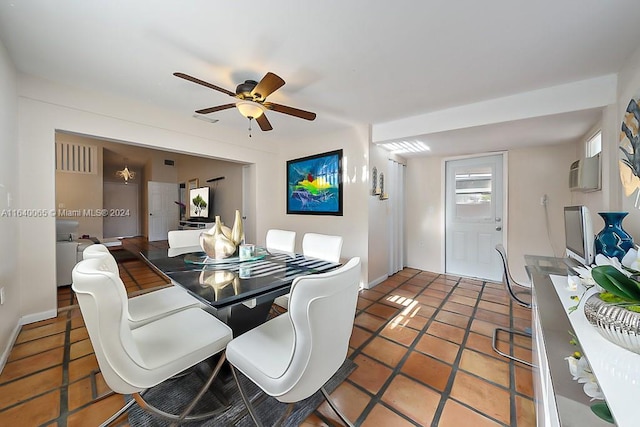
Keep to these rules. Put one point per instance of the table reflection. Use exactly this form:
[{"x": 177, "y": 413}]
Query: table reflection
[{"x": 222, "y": 283}]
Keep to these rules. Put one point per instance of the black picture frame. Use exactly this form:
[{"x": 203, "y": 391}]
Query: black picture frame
[{"x": 314, "y": 184}]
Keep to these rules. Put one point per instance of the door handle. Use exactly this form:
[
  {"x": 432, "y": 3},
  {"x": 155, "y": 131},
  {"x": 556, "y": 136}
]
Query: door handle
[{"x": 498, "y": 228}]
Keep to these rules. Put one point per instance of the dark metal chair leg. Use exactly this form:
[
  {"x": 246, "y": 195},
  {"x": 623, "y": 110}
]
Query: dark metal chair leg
[
  {"x": 335, "y": 407},
  {"x": 245, "y": 398},
  {"x": 511, "y": 332},
  {"x": 184, "y": 416},
  {"x": 117, "y": 415}
]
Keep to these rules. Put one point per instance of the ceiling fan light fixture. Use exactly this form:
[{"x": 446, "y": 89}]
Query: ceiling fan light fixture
[{"x": 249, "y": 109}]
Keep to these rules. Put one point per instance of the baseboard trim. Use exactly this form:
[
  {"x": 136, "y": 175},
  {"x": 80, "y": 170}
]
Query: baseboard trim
[
  {"x": 377, "y": 281},
  {"x": 12, "y": 340},
  {"x": 36, "y": 317}
]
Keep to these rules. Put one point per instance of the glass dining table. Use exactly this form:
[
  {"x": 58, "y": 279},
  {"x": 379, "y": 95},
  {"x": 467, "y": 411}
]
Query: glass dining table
[{"x": 238, "y": 292}]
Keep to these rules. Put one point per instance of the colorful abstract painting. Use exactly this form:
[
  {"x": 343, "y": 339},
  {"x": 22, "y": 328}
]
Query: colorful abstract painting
[
  {"x": 630, "y": 147},
  {"x": 314, "y": 184}
]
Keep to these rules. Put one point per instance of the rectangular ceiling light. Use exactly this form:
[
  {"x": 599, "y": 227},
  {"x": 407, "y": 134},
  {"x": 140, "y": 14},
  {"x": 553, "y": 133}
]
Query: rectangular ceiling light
[{"x": 401, "y": 147}]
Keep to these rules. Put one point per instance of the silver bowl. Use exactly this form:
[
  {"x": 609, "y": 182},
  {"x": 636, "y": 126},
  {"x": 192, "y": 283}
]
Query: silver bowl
[{"x": 615, "y": 323}]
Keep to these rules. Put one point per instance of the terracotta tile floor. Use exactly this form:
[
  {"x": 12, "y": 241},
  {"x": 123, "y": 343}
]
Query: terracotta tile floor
[{"x": 422, "y": 342}]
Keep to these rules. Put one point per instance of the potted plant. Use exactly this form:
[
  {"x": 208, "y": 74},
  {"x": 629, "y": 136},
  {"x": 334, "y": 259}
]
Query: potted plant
[{"x": 615, "y": 312}]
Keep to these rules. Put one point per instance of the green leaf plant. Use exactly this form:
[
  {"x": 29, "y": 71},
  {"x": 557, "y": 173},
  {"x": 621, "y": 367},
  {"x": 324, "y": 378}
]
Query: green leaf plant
[{"x": 619, "y": 289}]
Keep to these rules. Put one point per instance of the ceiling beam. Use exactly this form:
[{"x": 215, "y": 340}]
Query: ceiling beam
[{"x": 576, "y": 96}]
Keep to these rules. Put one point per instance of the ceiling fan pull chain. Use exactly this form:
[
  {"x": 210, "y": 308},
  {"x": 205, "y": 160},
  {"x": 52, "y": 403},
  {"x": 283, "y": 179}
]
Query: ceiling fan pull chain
[{"x": 249, "y": 127}]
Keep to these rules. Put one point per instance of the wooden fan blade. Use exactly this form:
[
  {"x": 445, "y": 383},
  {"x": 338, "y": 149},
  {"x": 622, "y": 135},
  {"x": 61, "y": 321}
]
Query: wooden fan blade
[
  {"x": 214, "y": 109},
  {"x": 203, "y": 83},
  {"x": 263, "y": 122},
  {"x": 269, "y": 84},
  {"x": 307, "y": 115}
]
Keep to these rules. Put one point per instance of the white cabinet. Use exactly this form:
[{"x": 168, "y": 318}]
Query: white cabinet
[{"x": 188, "y": 225}]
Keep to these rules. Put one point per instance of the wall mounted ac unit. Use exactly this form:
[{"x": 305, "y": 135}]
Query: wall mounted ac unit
[{"x": 584, "y": 174}]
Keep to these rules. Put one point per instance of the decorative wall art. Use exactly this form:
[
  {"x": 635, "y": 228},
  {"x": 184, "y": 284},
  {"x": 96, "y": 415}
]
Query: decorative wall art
[
  {"x": 198, "y": 201},
  {"x": 630, "y": 147},
  {"x": 383, "y": 195},
  {"x": 375, "y": 190},
  {"x": 314, "y": 184}
]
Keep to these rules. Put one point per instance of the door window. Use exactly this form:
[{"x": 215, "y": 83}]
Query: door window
[{"x": 474, "y": 194}]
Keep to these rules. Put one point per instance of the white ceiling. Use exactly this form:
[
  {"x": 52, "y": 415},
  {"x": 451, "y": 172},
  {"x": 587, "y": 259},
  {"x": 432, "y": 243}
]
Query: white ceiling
[{"x": 356, "y": 61}]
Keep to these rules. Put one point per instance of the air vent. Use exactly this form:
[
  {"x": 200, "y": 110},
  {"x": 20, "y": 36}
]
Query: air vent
[
  {"x": 76, "y": 158},
  {"x": 169, "y": 162}
]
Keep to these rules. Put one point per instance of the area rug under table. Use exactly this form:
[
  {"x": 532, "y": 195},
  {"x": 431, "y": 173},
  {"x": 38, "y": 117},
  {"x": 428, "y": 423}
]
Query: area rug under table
[
  {"x": 123, "y": 255},
  {"x": 173, "y": 395}
]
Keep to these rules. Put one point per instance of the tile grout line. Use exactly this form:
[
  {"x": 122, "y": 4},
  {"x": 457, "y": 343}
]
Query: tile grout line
[
  {"x": 446, "y": 394},
  {"x": 357, "y": 351},
  {"x": 64, "y": 388},
  {"x": 377, "y": 398},
  {"x": 395, "y": 371}
]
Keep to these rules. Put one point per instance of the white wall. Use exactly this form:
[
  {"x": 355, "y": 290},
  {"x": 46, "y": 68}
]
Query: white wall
[
  {"x": 9, "y": 271},
  {"x": 76, "y": 191},
  {"x": 68, "y": 109},
  {"x": 379, "y": 212},
  {"x": 532, "y": 172},
  {"x": 425, "y": 213},
  {"x": 353, "y": 225}
]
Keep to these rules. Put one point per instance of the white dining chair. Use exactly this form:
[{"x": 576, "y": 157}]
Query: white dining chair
[
  {"x": 322, "y": 246},
  {"x": 184, "y": 238},
  {"x": 280, "y": 241},
  {"x": 134, "y": 360},
  {"x": 147, "y": 307},
  {"x": 292, "y": 356}
]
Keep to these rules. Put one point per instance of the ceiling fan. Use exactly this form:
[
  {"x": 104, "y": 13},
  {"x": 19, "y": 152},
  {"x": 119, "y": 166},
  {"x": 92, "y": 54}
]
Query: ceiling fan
[{"x": 252, "y": 97}]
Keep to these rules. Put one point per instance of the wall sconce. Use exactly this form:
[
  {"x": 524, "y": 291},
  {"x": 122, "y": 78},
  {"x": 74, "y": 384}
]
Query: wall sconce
[
  {"x": 383, "y": 195},
  {"x": 375, "y": 190}
]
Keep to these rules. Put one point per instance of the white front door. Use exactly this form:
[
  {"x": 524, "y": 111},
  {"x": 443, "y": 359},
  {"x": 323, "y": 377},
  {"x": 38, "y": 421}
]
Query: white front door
[
  {"x": 163, "y": 211},
  {"x": 475, "y": 214}
]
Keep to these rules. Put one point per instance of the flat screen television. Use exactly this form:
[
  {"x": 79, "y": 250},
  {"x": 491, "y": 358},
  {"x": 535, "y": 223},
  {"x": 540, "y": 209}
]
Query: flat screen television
[
  {"x": 578, "y": 233},
  {"x": 199, "y": 203}
]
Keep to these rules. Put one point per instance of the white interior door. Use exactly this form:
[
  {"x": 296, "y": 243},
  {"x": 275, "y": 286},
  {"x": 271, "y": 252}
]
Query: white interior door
[
  {"x": 121, "y": 202},
  {"x": 475, "y": 214},
  {"x": 163, "y": 212}
]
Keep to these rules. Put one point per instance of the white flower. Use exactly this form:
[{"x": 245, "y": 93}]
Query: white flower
[
  {"x": 581, "y": 372},
  {"x": 572, "y": 283},
  {"x": 592, "y": 389},
  {"x": 631, "y": 259},
  {"x": 585, "y": 276},
  {"x": 605, "y": 260}
]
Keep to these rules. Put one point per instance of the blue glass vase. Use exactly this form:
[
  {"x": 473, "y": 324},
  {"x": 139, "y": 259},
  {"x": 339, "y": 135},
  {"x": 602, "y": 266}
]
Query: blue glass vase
[{"x": 613, "y": 241}]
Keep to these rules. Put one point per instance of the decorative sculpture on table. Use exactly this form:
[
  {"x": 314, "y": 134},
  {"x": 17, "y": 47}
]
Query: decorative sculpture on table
[
  {"x": 615, "y": 313},
  {"x": 220, "y": 242}
]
